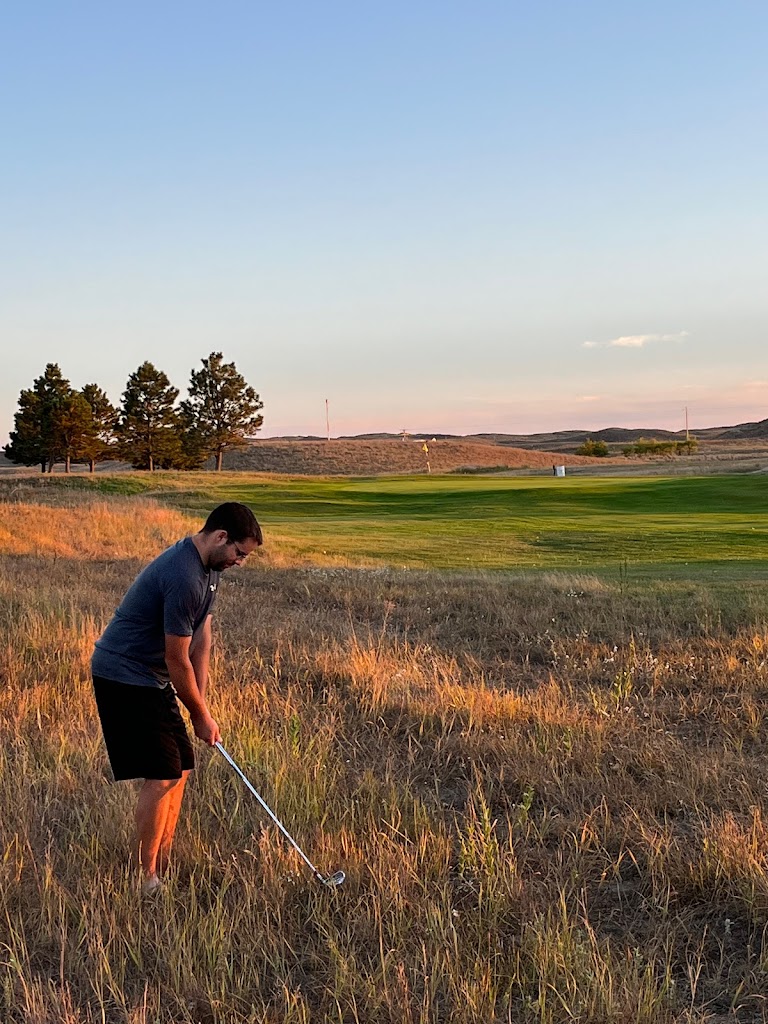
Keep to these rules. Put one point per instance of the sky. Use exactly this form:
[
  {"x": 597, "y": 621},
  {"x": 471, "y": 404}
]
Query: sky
[{"x": 438, "y": 216}]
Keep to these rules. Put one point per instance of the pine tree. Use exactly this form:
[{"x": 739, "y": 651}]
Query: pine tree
[
  {"x": 98, "y": 443},
  {"x": 38, "y": 438},
  {"x": 26, "y": 444},
  {"x": 147, "y": 428},
  {"x": 74, "y": 423},
  {"x": 188, "y": 451},
  {"x": 222, "y": 410}
]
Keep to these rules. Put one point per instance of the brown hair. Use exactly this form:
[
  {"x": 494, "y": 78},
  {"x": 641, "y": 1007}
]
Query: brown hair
[{"x": 238, "y": 521}]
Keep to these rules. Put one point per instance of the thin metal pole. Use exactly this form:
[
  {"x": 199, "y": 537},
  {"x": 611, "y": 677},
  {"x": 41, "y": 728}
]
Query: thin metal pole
[{"x": 274, "y": 818}]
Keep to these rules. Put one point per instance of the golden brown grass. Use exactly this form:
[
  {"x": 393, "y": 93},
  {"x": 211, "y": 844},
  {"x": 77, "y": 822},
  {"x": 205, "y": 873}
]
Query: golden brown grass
[
  {"x": 547, "y": 793},
  {"x": 73, "y": 526},
  {"x": 103, "y": 530}
]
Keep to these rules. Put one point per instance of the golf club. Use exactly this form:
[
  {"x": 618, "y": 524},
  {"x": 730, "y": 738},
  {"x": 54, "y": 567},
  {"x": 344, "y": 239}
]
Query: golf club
[{"x": 332, "y": 881}]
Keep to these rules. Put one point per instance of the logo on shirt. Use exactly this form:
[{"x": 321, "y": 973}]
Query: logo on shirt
[{"x": 213, "y": 588}]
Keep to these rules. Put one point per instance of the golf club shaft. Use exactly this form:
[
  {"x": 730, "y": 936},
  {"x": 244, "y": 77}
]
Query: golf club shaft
[{"x": 274, "y": 818}]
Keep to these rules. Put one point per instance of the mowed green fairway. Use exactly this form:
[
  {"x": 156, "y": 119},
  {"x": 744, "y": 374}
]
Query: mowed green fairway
[{"x": 668, "y": 527}]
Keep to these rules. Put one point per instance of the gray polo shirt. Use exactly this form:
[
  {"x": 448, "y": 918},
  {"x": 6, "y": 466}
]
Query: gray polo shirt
[{"x": 173, "y": 595}]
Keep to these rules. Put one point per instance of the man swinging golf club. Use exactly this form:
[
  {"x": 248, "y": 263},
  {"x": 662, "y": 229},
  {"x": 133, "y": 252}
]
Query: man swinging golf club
[{"x": 157, "y": 647}]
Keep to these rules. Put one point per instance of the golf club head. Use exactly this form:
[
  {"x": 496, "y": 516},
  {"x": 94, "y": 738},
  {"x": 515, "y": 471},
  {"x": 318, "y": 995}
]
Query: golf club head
[{"x": 335, "y": 880}]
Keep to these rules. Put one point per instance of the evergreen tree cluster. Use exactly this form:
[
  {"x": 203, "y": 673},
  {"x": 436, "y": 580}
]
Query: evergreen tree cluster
[{"x": 57, "y": 424}]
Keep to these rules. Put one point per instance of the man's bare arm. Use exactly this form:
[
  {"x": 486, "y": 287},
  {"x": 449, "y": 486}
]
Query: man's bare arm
[
  {"x": 201, "y": 656},
  {"x": 183, "y": 677}
]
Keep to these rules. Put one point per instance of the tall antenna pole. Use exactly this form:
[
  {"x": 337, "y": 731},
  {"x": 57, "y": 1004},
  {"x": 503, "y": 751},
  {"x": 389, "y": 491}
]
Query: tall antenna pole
[{"x": 327, "y": 421}]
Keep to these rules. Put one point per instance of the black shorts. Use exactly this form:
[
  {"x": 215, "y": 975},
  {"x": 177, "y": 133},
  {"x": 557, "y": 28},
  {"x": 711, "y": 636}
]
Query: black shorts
[{"x": 143, "y": 729}]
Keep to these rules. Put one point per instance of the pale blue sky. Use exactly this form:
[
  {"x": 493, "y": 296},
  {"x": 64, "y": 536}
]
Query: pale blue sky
[{"x": 423, "y": 212}]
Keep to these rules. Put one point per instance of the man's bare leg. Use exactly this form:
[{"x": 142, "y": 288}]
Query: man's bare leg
[
  {"x": 174, "y": 807},
  {"x": 155, "y": 799}
]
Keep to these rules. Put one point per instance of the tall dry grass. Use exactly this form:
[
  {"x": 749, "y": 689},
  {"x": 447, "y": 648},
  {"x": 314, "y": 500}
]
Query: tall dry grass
[
  {"x": 547, "y": 794},
  {"x": 101, "y": 530},
  {"x": 52, "y": 519}
]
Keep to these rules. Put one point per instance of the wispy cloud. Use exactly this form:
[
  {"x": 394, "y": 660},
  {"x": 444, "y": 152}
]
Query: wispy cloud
[
  {"x": 636, "y": 340},
  {"x": 588, "y": 398}
]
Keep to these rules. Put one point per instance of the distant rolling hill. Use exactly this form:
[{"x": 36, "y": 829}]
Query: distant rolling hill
[
  {"x": 370, "y": 457},
  {"x": 567, "y": 440},
  {"x": 742, "y": 431}
]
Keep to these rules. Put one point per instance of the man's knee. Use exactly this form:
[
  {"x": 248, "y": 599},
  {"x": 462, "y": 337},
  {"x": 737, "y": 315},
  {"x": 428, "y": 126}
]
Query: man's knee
[{"x": 161, "y": 787}]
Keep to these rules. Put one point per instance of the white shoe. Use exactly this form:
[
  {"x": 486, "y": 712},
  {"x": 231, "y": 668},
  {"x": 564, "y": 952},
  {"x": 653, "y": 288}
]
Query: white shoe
[{"x": 151, "y": 885}]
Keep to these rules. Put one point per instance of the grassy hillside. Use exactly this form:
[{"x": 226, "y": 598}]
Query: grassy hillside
[{"x": 370, "y": 457}]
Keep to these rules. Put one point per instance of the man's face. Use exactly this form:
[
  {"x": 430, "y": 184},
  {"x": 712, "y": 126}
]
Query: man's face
[{"x": 229, "y": 552}]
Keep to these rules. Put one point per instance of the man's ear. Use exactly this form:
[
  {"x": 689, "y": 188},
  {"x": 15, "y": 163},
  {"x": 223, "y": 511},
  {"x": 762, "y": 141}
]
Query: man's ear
[{"x": 221, "y": 536}]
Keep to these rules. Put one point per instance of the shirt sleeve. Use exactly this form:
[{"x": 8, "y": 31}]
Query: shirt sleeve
[{"x": 180, "y": 605}]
